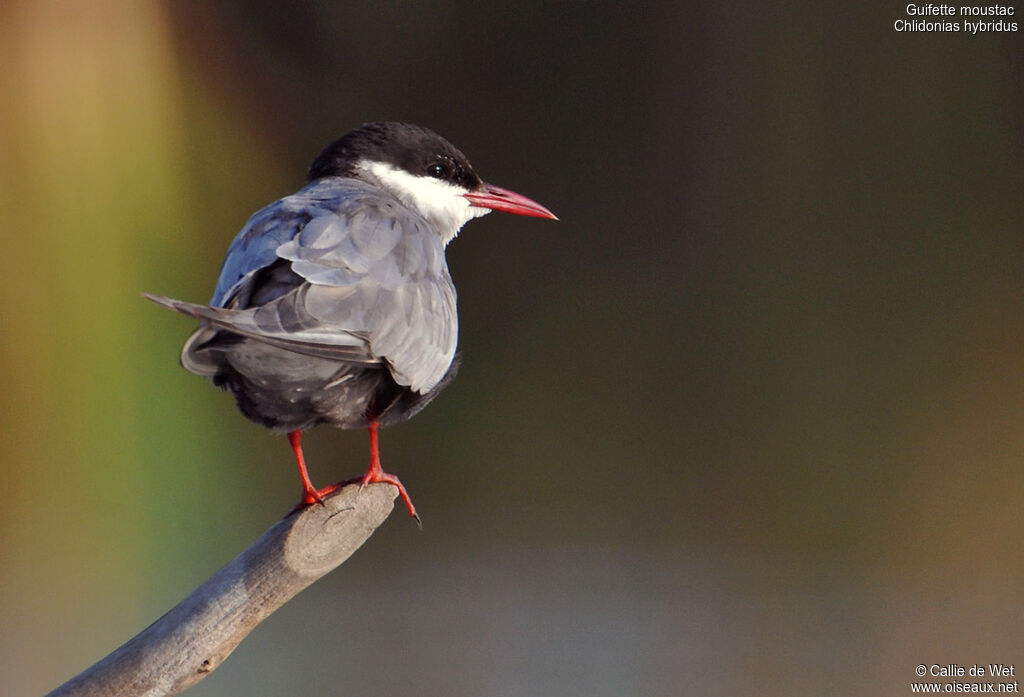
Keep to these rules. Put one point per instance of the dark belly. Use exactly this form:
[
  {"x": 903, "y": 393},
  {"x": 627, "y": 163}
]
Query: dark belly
[{"x": 288, "y": 391}]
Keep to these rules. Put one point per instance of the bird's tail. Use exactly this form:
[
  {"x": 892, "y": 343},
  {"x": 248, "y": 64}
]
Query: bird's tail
[
  {"x": 337, "y": 345},
  {"x": 193, "y": 358},
  {"x": 190, "y": 309}
]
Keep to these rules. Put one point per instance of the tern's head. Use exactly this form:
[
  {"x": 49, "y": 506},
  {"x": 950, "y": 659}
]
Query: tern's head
[{"x": 424, "y": 171}]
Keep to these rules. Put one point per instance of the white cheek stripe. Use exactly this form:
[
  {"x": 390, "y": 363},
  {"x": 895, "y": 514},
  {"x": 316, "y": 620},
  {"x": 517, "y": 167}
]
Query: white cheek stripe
[{"x": 441, "y": 203}]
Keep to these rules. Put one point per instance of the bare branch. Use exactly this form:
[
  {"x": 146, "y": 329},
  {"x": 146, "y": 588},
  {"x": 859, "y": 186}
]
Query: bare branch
[{"x": 193, "y": 639}]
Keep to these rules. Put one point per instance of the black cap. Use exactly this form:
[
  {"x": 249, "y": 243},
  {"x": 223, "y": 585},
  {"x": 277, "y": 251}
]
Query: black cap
[{"x": 415, "y": 149}]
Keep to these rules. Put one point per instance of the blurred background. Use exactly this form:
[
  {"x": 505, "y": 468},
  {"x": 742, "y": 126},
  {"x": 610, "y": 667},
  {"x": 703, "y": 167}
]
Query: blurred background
[{"x": 749, "y": 419}]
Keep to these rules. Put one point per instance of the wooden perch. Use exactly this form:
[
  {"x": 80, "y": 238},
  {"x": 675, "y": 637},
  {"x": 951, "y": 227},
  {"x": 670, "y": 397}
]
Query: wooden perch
[{"x": 193, "y": 639}]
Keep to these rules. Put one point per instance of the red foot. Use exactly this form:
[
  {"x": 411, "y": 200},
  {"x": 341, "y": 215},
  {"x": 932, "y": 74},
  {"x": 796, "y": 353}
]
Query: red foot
[
  {"x": 377, "y": 474},
  {"x": 310, "y": 494},
  {"x": 372, "y": 477}
]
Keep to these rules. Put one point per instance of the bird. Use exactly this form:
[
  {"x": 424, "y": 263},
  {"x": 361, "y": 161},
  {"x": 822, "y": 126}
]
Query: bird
[{"x": 335, "y": 305}]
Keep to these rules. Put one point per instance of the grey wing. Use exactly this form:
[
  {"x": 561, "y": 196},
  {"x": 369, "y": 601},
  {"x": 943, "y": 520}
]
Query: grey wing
[
  {"x": 371, "y": 284},
  {"x": 255, "y": 246},
  {"x": 377, "y": 270},
  {"x": 267, "y": 325}
]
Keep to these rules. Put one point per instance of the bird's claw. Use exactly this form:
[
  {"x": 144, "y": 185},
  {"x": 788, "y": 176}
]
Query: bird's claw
[
  {"x": 379, "y": 476},
  {"x": 311, "y": 496}
]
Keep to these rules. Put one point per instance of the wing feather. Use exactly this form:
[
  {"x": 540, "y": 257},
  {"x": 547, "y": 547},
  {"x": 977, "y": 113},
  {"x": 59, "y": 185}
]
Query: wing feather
[{"x": 367, "y": 282}]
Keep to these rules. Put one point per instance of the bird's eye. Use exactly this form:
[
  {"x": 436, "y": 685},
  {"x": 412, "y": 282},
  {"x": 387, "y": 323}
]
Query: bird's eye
[{"x": 438, "y": 171}]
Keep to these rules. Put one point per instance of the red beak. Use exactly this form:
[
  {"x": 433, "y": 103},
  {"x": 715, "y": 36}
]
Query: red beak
[{"x": 498, "y": 199}]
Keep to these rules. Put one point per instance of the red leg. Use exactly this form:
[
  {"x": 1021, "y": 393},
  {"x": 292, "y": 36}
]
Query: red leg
[
  {"x": 377, "y": 474},
  {"x": 310, "y": 494}
]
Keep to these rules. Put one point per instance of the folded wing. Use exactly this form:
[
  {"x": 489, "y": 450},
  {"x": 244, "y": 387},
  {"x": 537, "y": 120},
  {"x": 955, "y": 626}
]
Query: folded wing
[{"x": 336, "y": 271}]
